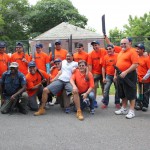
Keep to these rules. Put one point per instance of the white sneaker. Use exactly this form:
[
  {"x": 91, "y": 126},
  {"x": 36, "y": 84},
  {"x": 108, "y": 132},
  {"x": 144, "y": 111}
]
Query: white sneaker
[
  {"x": 122, "y": 111},
  {"x": 130, "y": 114}
]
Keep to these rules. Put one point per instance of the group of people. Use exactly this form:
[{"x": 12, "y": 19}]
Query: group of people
[{"x": 31, "y": 82}]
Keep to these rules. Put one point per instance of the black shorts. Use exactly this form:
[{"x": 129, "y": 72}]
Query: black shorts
[{"x": 124, "y": 90}]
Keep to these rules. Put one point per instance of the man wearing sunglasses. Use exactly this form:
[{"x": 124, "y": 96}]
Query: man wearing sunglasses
[{"x": 127, "y": 62}]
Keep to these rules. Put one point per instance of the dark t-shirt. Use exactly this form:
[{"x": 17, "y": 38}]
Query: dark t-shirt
[{"x": 12, "y": 85}]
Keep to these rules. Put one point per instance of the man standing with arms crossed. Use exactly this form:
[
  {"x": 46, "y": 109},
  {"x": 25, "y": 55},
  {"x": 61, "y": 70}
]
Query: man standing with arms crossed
[{"x": 127, "y": 62}]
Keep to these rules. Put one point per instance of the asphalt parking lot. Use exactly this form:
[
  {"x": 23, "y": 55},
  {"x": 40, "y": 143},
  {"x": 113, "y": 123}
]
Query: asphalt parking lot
[{"x": 59, "y": 131}]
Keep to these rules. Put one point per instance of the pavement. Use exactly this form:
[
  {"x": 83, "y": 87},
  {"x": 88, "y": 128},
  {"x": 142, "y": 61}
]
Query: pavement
[{"x": 59, "y": 131}]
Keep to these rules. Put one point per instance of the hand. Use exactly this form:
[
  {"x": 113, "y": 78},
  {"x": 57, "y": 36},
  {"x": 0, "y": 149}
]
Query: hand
[
  {"x": 33, "y": 59},
  {"x": 12, "y": 97},
  {"x": 24, "y": 60},
  {"x": 143, "y": 80},
  {"x": 123, "y": 74},
  {"x": 115, "y": 78},
  {"x": 104, "y": 80},
  {"x": 75, "y": 90},
  {"x": 84, "y": 95}
]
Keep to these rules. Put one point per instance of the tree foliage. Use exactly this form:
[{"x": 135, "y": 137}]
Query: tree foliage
[
  {"x": 46, "y": 14},
  {"x": 13, "y": 20}
]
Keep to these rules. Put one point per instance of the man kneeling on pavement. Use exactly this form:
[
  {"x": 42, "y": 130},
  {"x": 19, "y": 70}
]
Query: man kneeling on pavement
[{"x": 13, "y": 90}]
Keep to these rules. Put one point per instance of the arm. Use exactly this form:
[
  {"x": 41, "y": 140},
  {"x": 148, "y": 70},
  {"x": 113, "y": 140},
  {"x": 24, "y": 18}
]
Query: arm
[
  {"x": 90, "y": 68},
  {"x": 57, "y": 76},
  {"x": 107, "y": 40},
  {"x": 75, "y": 89},
  {"x": 103, "y": 74},
  {"x": 147, "y": 75}
]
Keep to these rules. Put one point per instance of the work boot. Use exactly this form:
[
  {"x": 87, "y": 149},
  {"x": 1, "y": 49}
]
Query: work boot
[
  {"x": 79, "y": 115},
  {"x": 41, "y": 111}
]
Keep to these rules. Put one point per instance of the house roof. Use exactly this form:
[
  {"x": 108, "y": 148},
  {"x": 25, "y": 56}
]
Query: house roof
[{"x": 64, "y": 30}]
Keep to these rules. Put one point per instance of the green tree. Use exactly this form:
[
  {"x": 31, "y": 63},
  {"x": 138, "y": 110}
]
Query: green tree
[
  {"x": 46, "y": 14},
  {"x": 13, "y": 24},
  {"x": 115, "y": 35}
]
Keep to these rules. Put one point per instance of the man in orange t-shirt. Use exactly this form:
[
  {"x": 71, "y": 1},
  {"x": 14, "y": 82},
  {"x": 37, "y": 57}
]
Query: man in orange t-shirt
[
  {"x": 82, "y": 87},
  {"x": 143, "y": 72},
  {"x": 108, "y": 72},
  {"x": 127, "y": 62},
  {"x": 21, "y": 58},
  {"x": 35, "y": 85},
  {"x": 80, "y": 54},
  {"x": 59, "y": 52},
  {"x": 41, "y": 59},
  {"x": 95, "y": 66},
  {"x": 4, "y": 59}
]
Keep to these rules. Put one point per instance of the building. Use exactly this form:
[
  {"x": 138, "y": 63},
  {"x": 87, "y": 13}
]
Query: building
[{"x": 63, "y": 32}]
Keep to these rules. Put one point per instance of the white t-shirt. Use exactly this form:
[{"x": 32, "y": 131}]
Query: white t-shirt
[{"x": 66, "y": 70}]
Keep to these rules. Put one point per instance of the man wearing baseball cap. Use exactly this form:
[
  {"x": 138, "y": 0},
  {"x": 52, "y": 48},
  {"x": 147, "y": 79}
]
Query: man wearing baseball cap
[
  {"x": 13, "y": 94},
  {"x": 95, "y": 67},
  {"x": 21, "y": 58},
  {"x": 143, "y": 72}
]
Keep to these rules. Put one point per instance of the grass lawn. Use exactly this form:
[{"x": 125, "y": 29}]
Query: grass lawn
[{"x": 111, "y": 92}]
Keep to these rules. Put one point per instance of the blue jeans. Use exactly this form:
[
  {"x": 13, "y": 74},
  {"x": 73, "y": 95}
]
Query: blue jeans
[
  {"x": 109, "y": 79},
  {"x": 91, "y": 97}
]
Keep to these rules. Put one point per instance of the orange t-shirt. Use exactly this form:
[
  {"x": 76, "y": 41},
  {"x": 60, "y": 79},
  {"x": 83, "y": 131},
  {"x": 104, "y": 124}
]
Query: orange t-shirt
[
  {"x": 61, "y": 54},
  {"x": 80, "y": 56},
  {"x": 23, "y": 66},
  {"x": 41, "y": 59},
  {"x": 80, "y": 81},
  {"x": 4, "y": 61},
  {"x": 33, "y": 80},
  {"x": 53, "y": 73},
  {"x": 126, "y": 58},
  {"x": 108, "y": 62},
  {"x": 143, "y": 67},
  {"x": 94, "y": 59},
  {"x": 117, "y": 49}
]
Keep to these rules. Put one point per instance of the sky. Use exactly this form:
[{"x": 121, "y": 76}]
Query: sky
[{"x": 116, "y": 12}]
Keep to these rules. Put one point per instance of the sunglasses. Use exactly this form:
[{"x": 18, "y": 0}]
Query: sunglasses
[
  {"x": 109, "y": 48},
  {"x": 81, "y": 65},
  {"x": 123, "y": 43}
]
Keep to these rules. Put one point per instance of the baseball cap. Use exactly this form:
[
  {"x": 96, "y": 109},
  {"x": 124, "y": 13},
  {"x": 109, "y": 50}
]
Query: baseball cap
[
  {"x": 57, "y": 60},
  {"x": 14, "y": 65},
  {"x": 19, "y": 44},
  {"x": 130, "y": 39},
  {"x": 79, "y": 45},
  {"x": 2, "y": 44},
  {"x": 109, "y": 45},
  {"x": 57, "y": 42},
  {"x": 39, "y": 46},
  {"x": 95, "y": 42},
  {"x": 140, "y": 45},
  {"x": 31, "y": 64}
]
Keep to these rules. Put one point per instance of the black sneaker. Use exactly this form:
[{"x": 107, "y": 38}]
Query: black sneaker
[
  {"x": 144, "y": 108},
  {"x": 138, "y": 106}
]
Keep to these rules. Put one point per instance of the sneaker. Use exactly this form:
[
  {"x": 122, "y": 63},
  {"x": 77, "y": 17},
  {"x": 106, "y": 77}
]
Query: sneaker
[
  {"x": 138, "y": 106},
  {"x": 104, "y": 106},
  {"x": 95, "y": 104},
  {"x": 87, "y": 102},
  {"x": 79, "y": 115},
  {"x": 118, "y": 106},
  {"x": 67, "y": 110},
  {"x": 51, "y": 103},
  {"x": 41, "y": 111},
  {"x": 130, "y": 114},
  {"x": 144, "y": 108},
  {"x": 92, "y": 111},
  {"x": 122, "y": 111}
]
